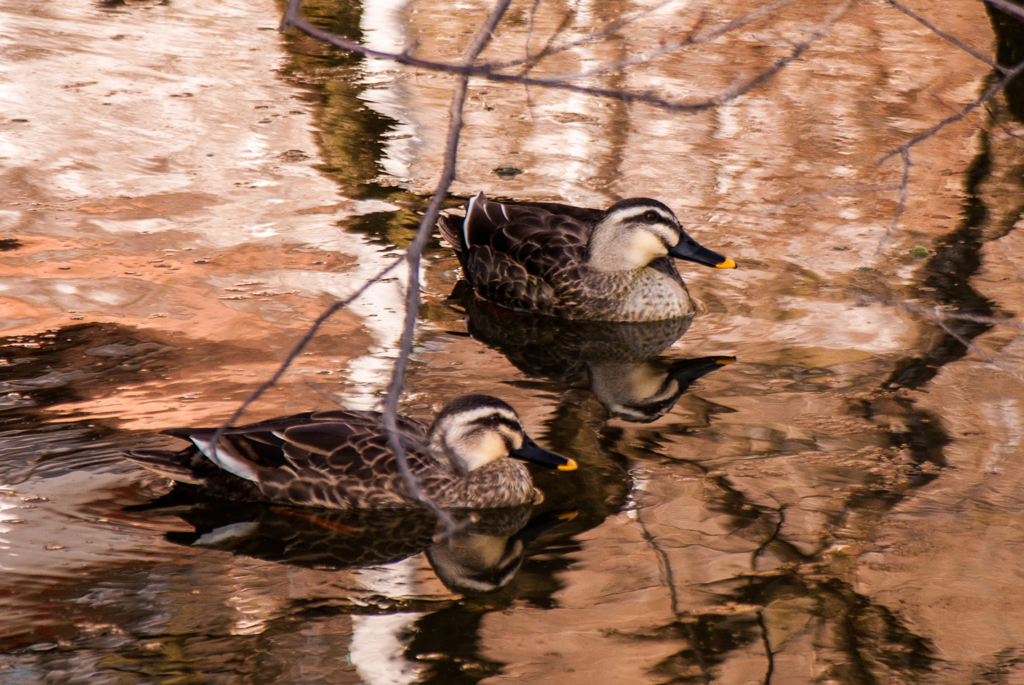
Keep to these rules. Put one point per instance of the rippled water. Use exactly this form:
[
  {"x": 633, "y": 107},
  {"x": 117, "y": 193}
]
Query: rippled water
[{"x": 800, "y": 485}]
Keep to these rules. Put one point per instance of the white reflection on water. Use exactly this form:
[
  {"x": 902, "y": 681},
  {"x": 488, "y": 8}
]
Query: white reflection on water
[
  {"x": 5, "y": 528},
  {"x": 378, "y": 642},
  {"x": 381, "y": 307},
  {"x": 384, "y": 29}
]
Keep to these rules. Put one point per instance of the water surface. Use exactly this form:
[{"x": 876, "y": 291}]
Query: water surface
[{"x": 799, "y": 486}]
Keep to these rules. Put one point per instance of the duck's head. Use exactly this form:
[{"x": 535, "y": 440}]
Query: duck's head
[
  {"x": 636, "y": 231},
  {"x": 475, "y": 430}
]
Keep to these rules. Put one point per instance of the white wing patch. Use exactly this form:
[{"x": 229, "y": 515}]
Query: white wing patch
[
  {"x": 226, "y": 460},
  {"x": 469, "y": 215}
]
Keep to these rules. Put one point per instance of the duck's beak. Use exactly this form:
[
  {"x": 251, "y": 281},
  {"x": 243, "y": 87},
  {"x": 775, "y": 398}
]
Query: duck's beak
[
  {"x": 690, "y": 250},
  {"x": 531, "y": 451}
]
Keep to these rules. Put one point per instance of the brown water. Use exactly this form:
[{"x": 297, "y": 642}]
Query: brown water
[{"x": 183, "y": 189}]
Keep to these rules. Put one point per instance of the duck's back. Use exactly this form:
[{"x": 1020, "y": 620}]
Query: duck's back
[
  {"x": 525, "y": 257},
  {"x": 342, "y": 460}
]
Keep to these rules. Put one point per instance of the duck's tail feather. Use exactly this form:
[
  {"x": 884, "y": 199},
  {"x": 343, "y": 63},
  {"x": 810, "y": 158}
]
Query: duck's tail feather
[
  {"x": 475, "y": 228},
  {"x": 174, "y": 465},
  {"x": 451, "y": 231},
  {"x": 192, "y": 467}
]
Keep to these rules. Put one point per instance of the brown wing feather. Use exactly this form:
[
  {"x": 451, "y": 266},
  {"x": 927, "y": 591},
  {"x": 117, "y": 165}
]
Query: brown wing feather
[
  {"x": 526, "y": 256},
  {"x": 343, "y": 460}
]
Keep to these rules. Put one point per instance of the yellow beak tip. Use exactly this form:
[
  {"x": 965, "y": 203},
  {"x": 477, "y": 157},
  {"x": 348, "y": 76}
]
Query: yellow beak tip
[
  {"x": 570, "y": 465},
  {"x": 727, "y": 264}
]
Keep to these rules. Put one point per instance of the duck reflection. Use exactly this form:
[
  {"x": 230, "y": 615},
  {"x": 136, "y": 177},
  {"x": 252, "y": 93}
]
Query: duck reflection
[
  {"x": 619, "y": 362},
  {"x": 482, "y": 556}
]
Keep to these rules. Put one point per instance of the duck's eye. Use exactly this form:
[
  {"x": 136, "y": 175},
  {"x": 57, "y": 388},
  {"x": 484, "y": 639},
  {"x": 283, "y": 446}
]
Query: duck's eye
[{"x": 650, "y": 216}]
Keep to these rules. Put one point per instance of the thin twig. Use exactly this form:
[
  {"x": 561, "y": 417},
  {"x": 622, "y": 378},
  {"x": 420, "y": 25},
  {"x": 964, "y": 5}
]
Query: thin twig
[
  {"x": 664, "y": 564},
  {"x": 323, "y": 393},
  {"x": 940, "y": 314},
  {"x": 990, "y": 358},
  {"x": 412, "y": 258},
  {"x": 603, "y": 32},
  {"x": 740, "y": 22},
  {"x": 901, "y": 205},
  {"x": 297, "y": 350},
  {"x": 985, "y": 97},
  {"x": 529, "y": 29},
  {"x": 736, "y": 90},
  {"x": 1007, "y": 7},
  {"x": 940, "y": 317},
  {"x": 954, "y": 109},
  {"x": 995, "y": 120},
  {"x": 971, "y": 51},
  {"x": 486, "y": 71},
  {"x": 675, "y": 46},
  {"x": 570, "y": 14},
  {"x": 527, "y": 58}
]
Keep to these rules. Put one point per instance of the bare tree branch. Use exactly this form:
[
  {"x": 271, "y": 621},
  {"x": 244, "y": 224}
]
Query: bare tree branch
[
  {"x": 529, "y": 30},
  {"x": 940, "y": 317},
  {"x": 550, "y": 49},
  {"x": 937, "y": 313},
  {"x": 412, "y": 258},
  {"x": 297, "y": 350},
  {"x": 992, "y": 116},
  {"x": 486, "y": 71},
  {"x": 1008, "y": 7},
  {"x": 990, "y": 358},
  {"x": 901, "y": 205},
  {"x": 967, "y": 118},
  {"x": 798, "y": 50},
  {"x": 740, "y": 22},
  {"x": 668, "y": 47},
  {"x": 974, "y": 53},
  {"x": 570, "y": 14},
  {"x": 991, "y": 92}
]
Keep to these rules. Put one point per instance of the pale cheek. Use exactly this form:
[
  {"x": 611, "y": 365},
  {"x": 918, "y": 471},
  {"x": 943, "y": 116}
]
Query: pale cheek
[
  {"x": 646, "y": 246},
  {"x": 486, "y": 449}
]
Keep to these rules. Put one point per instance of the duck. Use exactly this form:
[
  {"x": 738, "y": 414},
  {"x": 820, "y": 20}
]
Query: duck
[
  {"x": 342, "y": 460},
  {"x": 577, "y": 263}
]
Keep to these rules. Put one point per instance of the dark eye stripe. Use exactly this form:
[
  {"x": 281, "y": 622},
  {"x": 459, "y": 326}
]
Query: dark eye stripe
[
  {"x": 495, "y": 420},
  {"x": 651, "y": 216}
]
